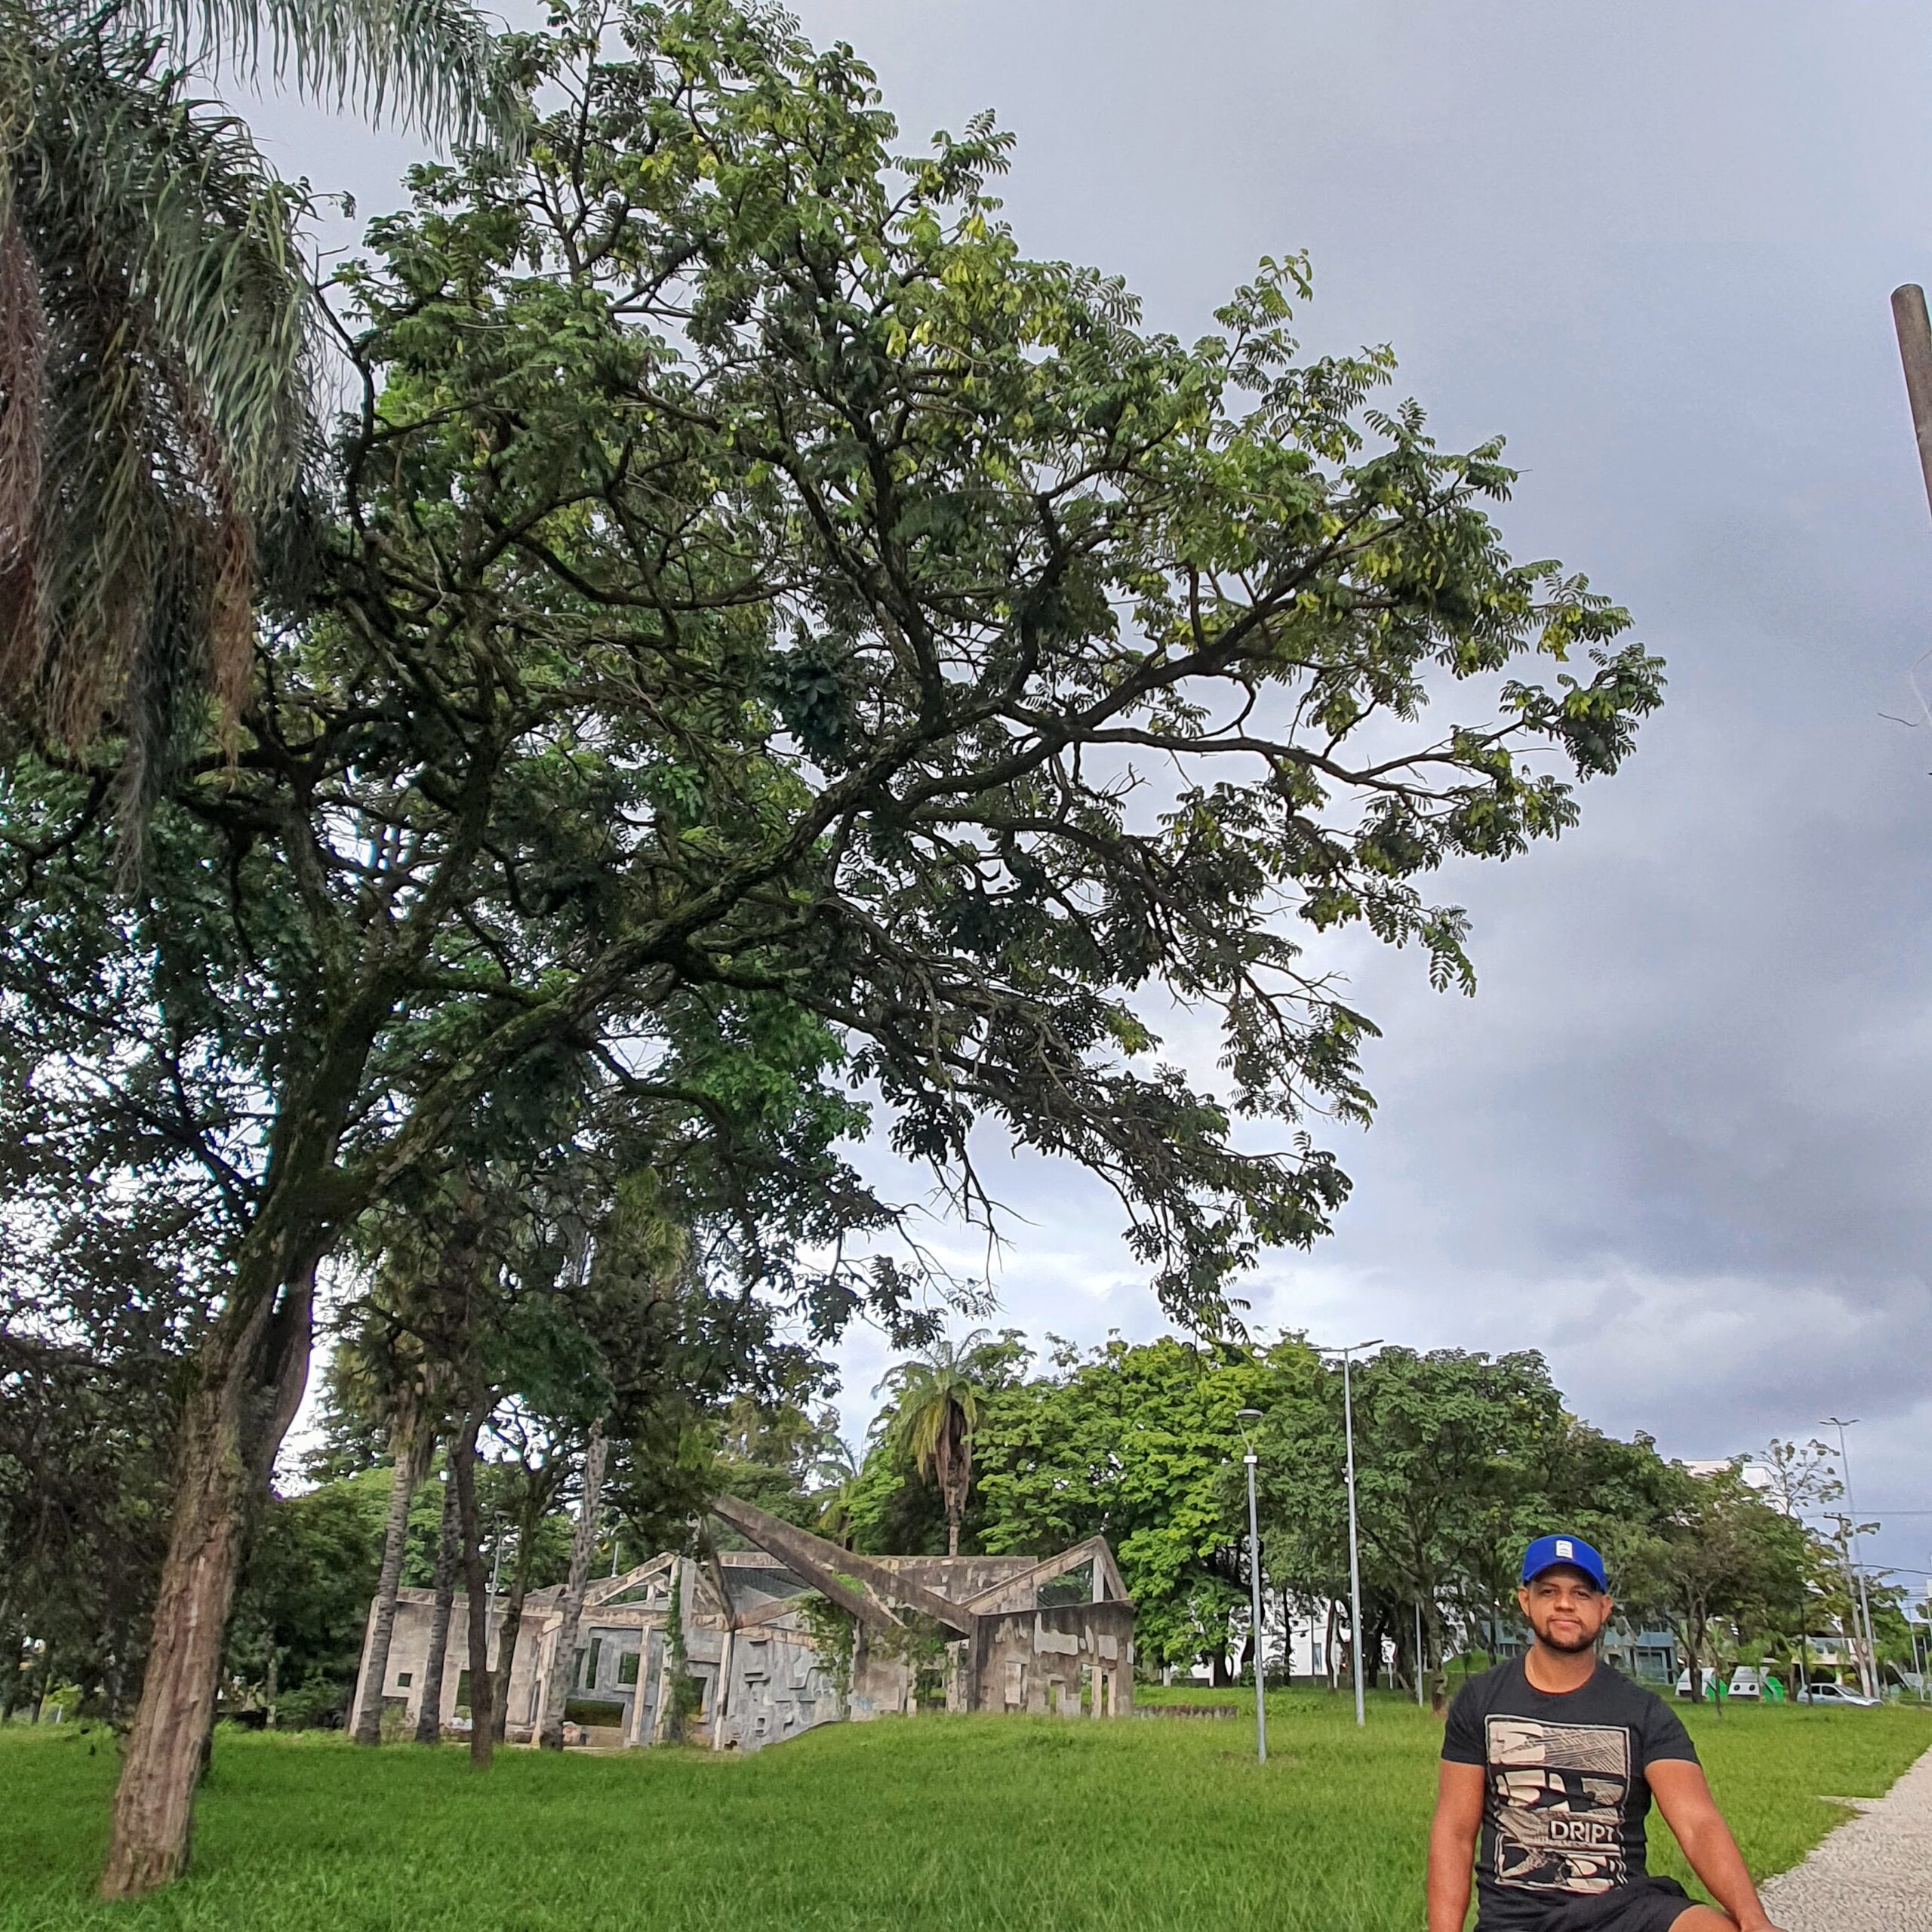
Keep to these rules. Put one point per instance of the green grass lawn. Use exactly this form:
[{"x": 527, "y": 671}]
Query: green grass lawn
[{"x": 961, "y": 1824}]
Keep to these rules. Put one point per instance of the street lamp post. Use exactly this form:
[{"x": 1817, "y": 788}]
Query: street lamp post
[
  {"x": 1869, "y": 1673},
  {"x": 1354, "y": 1536},
  {"x": 1247, "y": 1417}
]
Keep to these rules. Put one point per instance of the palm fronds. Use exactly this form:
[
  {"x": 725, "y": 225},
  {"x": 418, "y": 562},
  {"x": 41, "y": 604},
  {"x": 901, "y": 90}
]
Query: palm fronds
[
  {"x": 425, "y": 65},
  {"x": 155, "y": 389},
  {"x": 158, "y": 327}
]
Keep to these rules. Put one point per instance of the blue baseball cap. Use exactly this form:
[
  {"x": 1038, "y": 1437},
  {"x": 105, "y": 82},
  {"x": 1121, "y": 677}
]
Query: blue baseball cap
[{"x": 1546, "y": 1552}]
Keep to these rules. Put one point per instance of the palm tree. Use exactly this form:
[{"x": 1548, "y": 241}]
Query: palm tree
[
  {"x": 831, "y": 1471},
  {"x": 157, "y": 335},
  {"x": 936, "y": 1400}
]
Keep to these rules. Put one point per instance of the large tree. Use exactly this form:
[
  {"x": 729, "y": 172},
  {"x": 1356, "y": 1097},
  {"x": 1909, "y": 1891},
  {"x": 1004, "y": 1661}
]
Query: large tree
[
  {"x": 755, "y": 582},
  {"x": 1718, "y": 1551},
  {"x": 1137, "y": 1444},
  {"x": 1450, "y": 1448}
]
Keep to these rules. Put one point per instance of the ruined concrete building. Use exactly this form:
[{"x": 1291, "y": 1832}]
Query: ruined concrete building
[{"x": 793, "y": 1633}]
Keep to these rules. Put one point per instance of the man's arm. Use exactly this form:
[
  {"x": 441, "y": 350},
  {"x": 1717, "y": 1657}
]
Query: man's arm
[
  {"x": 1452, "y": 1843},
  {"x": 1685, "y": 1798}
]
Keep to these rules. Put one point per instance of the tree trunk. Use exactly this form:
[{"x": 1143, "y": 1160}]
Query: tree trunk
[
  {"x": 113, "y": 1688},
  {"x": 951, "y": 1533},
  {"x": 406, "y": 1460},
  {"x": 11, "y": 1646},
  {"x": 512, "y": 1627},
  {"x": 563, "y": 1656},
  {"x": 40, "y": 1682},
  {"x": 251, "y": 1376},
  {"x": 476, "y": 1589},
  {"x": 429, "y": 1709},
  {"x": 1693, "y": 1678}
]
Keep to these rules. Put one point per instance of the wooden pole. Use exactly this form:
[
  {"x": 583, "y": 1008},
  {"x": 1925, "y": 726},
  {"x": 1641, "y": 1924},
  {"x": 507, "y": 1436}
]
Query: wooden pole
[{"x": 1915, "y": 351}]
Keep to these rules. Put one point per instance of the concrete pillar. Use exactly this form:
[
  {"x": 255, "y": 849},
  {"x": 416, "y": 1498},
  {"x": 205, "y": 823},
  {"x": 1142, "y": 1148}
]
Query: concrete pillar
[
  {"x": 721, "y": 1702},
  {"x": 364, "y": 1689}
]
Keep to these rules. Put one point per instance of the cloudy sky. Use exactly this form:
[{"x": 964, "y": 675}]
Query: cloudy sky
[{"x": 1679, "y": 1139}]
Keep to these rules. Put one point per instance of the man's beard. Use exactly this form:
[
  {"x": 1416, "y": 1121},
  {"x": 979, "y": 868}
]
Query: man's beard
[{"x": 1575, "y": 1649}]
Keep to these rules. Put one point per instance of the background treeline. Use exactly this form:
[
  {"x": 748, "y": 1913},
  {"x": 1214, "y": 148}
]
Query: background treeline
[{"x": 1462, "y": 1458}]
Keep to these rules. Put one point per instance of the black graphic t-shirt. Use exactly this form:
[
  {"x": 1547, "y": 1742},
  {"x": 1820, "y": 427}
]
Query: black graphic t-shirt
[{"x": 1564, "y": 1795}]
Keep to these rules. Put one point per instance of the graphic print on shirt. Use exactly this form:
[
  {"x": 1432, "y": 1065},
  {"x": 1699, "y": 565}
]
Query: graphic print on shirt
[{"x": 1559, "y": 1790}]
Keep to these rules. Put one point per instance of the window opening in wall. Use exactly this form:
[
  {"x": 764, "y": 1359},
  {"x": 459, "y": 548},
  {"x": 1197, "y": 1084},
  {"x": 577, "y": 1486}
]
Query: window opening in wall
[
  {"x": 403, "y": 1678},
  {"x": 1074, "y": 1586},
  {"x": 627, "y": 1667},
  {"x": 577, "y": 1668},
  {"x": 590, "y": 1668},
  {"x": 463, "y": 1694}
]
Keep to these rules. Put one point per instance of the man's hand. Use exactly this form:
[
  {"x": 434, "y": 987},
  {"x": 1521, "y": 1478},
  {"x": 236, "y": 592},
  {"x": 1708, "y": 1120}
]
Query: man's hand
[
  {"x": 1452, "y": 1843},
  {"x": 1683, "y": 1797}
]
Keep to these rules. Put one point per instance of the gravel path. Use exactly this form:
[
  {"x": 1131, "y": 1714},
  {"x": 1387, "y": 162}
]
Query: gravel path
[{"x": 1873, "y": 1873}]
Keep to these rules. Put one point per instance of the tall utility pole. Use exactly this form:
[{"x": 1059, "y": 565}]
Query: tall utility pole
[
  {"x": 1909, "y": 318},
  {"x": 1868, "y": 1675},
  {"x": 1354, "y": 1537},
  {"x": 1247, "y": 1417}
]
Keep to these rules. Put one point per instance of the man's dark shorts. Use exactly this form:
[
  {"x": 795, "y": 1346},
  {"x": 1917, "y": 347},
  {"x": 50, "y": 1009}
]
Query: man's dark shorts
[{"x": 1651, "y": 1904}]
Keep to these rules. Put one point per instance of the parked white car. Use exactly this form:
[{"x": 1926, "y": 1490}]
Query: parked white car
[
  {"x": 1835, "y": 1693},
  {"x": 1744, "y": 1682}
]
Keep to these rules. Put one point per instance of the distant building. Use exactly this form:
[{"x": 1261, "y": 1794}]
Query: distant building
[
  {"x": 1753, "y": 1475},
  {"x": 1648, "y": 1656},
  {"x": 1051, "y": 1635}
]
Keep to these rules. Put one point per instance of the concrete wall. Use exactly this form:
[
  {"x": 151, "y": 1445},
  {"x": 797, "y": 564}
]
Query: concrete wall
[
  {"x": 615, "y": 1633},
  {"x": 765, "y": 1680},
  {"x": 1042, "y": 1661}
]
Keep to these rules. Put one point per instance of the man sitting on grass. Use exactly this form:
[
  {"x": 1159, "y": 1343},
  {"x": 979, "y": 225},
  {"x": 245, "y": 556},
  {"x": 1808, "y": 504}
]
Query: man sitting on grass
[{"x": 1554, "y": 1758}]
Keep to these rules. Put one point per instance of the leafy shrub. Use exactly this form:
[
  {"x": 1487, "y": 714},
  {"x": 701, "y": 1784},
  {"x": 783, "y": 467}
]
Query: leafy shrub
[{"x": 318, "y": 1703}]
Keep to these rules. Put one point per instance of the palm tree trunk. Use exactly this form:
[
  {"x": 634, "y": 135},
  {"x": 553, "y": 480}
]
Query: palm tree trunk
[
  {"x": 476, "y": 1589},
  {"x": 251, "y": 1376},
  {"x": 563, "y": 1656},
  {"x": 429, "y": 1709},
  {"x": 406, "y": 1460}
]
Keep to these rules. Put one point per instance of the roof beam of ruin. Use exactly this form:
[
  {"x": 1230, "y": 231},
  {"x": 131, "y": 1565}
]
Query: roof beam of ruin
[
  {"x": 604, "y": 1588},
  {"x": 1048, "y": 1567},
  {"x": 812, "y": 1559}
]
